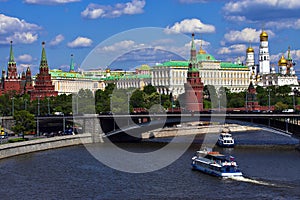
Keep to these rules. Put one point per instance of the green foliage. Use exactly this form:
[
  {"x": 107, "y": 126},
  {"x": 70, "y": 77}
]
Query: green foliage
[
  {"x": 13, "y": 140},
  {"x": 149, "y": 89},
  {"x": 24, "y": 122},
  {"x": 280, "y": 106}
]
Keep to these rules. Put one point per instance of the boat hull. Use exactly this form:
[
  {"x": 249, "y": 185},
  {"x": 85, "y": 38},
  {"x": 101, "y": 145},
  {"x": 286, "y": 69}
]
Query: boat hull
[{"x": 215, "y": 173}]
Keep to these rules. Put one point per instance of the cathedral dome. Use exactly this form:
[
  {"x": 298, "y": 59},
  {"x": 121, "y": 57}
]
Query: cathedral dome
[
  {"x": 201, "y": 51},
  {"x": 282, "y": 61},
  {"x": 263, "y": 36},
  {"x": 250, "y": 50},
  {"x": 107, "y": 70}
]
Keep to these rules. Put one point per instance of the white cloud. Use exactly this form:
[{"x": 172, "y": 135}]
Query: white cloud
[
  {"x": 25, "y": 37},
  {"x": 261, "y": 10},
  {"x": 94, "y": 11},
  {"x": 122, "y": 46},
  {"x": 190, "y": 26},
  {"x": 57, "y": 40},
  {"x": 80, "y": 42},
  {"x": 25, "y": 58},
  {"x": 20, "y": 31},
  {"x": 237, "y": 48},
  {"x": 50, "y": 2},
  {"x": 295, "y": 54},
  {"x": 245, "y": 35},
  {"x": 285, "y": 24}
]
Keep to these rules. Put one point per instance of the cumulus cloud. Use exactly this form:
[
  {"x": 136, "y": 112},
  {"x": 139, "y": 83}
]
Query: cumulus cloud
[
  {"x": 261, "y": 10},
  {"x": 49, "y": 2},
  {"x": 237, "y": 48},
  {"x": 190, "y": 26},
  {"x": 122, "y": 46},
  {"x": 95, "y": 11},
  {"x": 57, "y": 40},
  {"x": 80, "y": 42},
  {"x": 295, "y": 54},
  {"x": 20, "y": 31},
  {"x": 25, "y": 58},
  {"x": 285, "y": 24},
  {"x": 245, "y": 35}
]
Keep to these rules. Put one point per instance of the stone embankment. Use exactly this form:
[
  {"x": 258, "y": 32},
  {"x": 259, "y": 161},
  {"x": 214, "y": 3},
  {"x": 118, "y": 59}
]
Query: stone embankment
[
  {"x": 195, "y": 128},
  {"x": 14, "y": 149}
]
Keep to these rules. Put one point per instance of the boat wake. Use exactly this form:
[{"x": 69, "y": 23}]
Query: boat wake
[{"x": 249, "y": 180}]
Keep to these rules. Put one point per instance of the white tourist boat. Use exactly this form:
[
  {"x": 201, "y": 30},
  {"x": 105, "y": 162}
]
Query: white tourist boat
[
  {"x": 216, "y": 164},
  {"x": 225, "y": 140}
]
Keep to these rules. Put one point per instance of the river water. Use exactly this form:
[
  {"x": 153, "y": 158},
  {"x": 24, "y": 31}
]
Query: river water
[{"x": 73, "y": 173}]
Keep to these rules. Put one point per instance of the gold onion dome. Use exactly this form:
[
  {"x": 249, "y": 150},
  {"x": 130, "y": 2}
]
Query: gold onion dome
[
  {"x": 264, "y": 36},
  {"x": 250, "y": 50},
  {"x": 107, "y": 70},
  {"x": 282, "y": 61},
  {"x": 201, "y": 51}
]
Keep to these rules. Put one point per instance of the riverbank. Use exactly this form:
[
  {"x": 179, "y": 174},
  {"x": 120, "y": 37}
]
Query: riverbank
[
  {"x": 196, "y": 128},
  {"x": 18, "y": 148}
]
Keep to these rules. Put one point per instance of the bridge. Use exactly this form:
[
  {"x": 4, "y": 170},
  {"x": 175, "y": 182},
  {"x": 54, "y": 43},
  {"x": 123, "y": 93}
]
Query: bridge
[{"x": 115, "y": 126}]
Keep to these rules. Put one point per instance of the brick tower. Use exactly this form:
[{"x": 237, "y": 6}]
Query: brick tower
[
  {"x": 43, "y": 85},
  {"x": 193, "y": 87}
]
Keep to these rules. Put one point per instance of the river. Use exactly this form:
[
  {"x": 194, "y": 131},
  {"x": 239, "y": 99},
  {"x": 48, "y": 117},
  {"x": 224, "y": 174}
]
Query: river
[{"x": 73, "y": 173}]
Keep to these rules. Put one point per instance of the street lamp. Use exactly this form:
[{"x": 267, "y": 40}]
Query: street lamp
[
  {"x": 37, "y": 119},
  {"x": 294, "y": 94},
  {"x": 269, "y": 90},
  {"x": 13, "y": 106},
  {"x": 25, "y": 104},
  {"x": 48, "y": 106},
  {"x": 128, "y": 105}
]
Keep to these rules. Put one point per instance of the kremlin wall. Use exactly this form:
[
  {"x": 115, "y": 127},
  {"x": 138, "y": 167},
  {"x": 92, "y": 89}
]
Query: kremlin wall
[{"x": 170, "y": 77}]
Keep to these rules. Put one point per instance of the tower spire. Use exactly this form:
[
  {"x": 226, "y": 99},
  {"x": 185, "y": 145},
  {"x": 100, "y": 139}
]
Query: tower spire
[
  {"x": 193, "y": 58},
  {"x": 11, "y": 54},
  {"x": 72, "y": 68},
  {"x": 193, "y": 46},
  {"x": 289, "y": 53},
  {"x": 44, "y": 62}
]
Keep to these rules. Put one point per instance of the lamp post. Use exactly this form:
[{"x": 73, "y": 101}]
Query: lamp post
[
  {"x": 25, "y": 104},
  {"x": 37, "y": 119},
  {"x": 48, "y": 106},
  {"x": 269, "y": 90},
  {"x": 294, "y": 102},
  {"x": 128, "y": 105},
  {"x": 13, "y": 106},
  {"x": 110, "y": 98}
]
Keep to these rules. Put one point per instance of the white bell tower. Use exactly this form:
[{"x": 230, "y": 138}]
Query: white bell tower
[{"x": 264, "y": 57}]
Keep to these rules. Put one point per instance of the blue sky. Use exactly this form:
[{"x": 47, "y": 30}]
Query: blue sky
[{"x": 225, "y": 28}]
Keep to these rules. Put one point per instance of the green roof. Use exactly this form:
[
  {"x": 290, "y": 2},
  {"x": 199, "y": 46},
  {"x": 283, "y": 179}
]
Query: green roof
[
  {"x": 61, "y": 74},
  {"x": 174, "y": 63},
  {"x": 232, "y": 65},
  {"x": 205, "y": 57}
]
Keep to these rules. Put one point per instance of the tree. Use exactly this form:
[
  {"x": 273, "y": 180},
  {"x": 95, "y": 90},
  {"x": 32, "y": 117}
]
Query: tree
[
  {"x": 149, "y": 89},
  {"x": 137, "y": 99},
  {"x": 24, "y": 122},
  {"x": 280, "y": 106}
]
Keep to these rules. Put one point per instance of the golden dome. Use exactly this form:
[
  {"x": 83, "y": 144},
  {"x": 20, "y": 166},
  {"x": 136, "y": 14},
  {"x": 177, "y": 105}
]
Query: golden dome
[
  {"x": 250, "y": 50},
  {"x": 201, "y": 51},
  {"x": 282, "y": 61},
  {"x": 107, "y": 70},
  {"x": 264, "y": 36}
]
